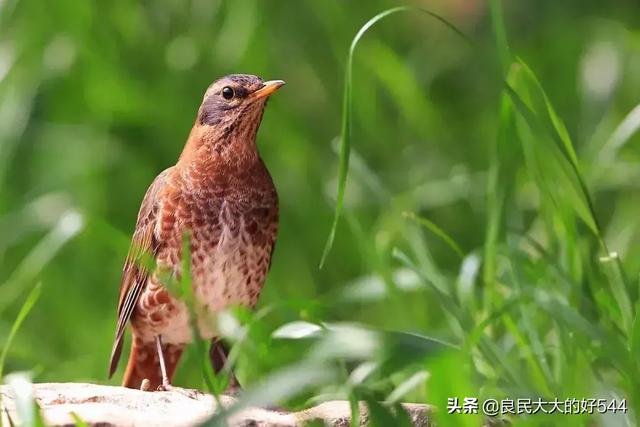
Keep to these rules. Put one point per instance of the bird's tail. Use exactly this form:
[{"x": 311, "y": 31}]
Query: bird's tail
[{"x": 145, "y": 364}]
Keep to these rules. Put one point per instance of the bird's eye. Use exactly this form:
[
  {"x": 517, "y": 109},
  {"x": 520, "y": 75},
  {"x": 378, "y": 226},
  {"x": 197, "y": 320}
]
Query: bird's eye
[{"x": 227, "y": 92}]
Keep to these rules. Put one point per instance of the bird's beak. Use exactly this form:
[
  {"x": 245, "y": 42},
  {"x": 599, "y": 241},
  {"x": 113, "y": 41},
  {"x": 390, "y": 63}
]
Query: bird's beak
[{"x": 268, "y": 88}]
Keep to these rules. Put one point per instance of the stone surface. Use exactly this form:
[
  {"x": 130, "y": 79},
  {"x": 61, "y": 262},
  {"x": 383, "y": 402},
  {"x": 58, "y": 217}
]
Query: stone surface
[{"x": 101, "y": 405}]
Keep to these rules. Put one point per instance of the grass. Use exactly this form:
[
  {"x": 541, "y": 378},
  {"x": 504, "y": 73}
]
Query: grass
[
  {"x": 487, "y": 247},
  {"x": 27, "y": 306},
  {"x": 26, "y": 407},
  {"x": 543, "y": 343},
  {"x": 347, "y": 97}
]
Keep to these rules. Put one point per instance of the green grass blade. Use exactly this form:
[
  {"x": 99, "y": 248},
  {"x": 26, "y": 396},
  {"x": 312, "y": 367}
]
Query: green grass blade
[
  {"x": 447, "y": 301},
  {"x": 431, "y": 226},
  {"x": 79, "y": 421},
  {"x": 500, "y": 175},
  {"x": 567, "y": 183},
  {"x": 408, "y": 385},
  {"x": 623, "y": 133},
  {"x": 561, "y": 133},
  {"x": 28, "y": 304},
  {"x": 186, "y": 290},
  {"x": 354, "y": 406},
  {"x": 346, "y": 125},
  {"x": 278, "y": 387},
  {"x": 612, "y": 267},
  {"x": 68, "y": 226},
  {"x": 500, "y": 33},
  {"x": 537, "y": 371},
  {"x": 26, "y": 407},
  {"x": 543, "y": 121},
  {"x": 380, "y": 416},
  {"x": 528, "y": 338},
  {"x": 634, "y": 337},
  {"x": 536, "y": 134}
]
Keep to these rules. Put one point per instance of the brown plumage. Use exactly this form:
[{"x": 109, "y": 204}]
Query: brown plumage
[{"x": 221, "y": 193}]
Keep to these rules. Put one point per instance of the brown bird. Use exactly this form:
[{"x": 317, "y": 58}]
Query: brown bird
[{"x": 222, "y": 195}]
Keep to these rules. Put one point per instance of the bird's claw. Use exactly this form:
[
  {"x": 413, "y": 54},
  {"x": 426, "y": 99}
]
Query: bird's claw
[{"x": 190, "y": 393}]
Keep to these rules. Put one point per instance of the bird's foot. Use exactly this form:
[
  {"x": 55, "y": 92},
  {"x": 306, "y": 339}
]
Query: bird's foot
[{"x": 190, "y": 393}]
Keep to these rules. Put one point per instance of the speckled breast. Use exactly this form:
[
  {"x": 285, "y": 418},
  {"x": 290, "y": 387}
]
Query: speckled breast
[{"x": 231, "y": 246}]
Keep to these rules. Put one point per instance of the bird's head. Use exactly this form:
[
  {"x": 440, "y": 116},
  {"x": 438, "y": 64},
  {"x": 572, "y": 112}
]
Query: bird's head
[
  {"x": 228, "y": 120},
  {"x": 236, "y": 101}
]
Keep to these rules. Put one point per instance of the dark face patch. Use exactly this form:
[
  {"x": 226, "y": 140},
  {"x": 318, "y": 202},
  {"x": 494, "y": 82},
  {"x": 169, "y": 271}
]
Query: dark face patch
[{"x": 218, "y": 108}]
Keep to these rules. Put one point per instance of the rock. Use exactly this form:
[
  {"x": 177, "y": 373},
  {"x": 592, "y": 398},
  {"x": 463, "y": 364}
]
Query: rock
[{"x": 100, "y": 405}]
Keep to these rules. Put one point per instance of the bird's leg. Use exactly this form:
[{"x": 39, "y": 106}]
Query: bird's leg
[
  {"x": 219, "y": 355},
  {"x": 163, "y": 367},
  {"x": 166, "y": 384}
]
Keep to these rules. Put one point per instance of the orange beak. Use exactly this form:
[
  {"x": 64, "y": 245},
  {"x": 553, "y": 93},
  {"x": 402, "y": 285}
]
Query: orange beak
[{"x": 268, "y": 88}]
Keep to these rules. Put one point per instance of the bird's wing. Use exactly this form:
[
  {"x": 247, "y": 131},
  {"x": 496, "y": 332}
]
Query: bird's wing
[{"x": 144, "y": 246}]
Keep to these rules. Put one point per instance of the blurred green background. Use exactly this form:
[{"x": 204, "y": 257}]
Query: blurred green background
[{"x": 96, "y": 98}]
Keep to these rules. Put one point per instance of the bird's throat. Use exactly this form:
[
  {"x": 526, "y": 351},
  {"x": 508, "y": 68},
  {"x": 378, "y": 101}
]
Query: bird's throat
[{"x": 220, "y": 149}]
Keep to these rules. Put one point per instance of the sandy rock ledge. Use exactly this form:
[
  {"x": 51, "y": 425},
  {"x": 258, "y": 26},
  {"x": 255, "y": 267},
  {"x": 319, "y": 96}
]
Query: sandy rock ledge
[{"x": 107, "y": 406}]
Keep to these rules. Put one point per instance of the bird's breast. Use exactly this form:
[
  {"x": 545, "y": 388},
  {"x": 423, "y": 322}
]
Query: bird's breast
[{"x": 231, "y": 243}]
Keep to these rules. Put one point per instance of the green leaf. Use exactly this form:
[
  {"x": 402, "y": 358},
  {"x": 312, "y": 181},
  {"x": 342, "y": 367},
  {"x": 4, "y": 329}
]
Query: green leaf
[
  {"x": 354, "y": 405},
  {"x": 446, "y": 300},
  {"x": 612, "y": 267},
  {"x": 548, "y": 163},
  {"x": 554, "y": 164},
  {"x": 500, "y": 33},
  {"x": 297, "y": 330},
  {"x": 500, "y": 182},
  {"x": 634, "y": 336},
  {"x": 622, "y": 133},
  {"x": 27, "y": 409},
  {"x": 278, "y": 387},
  {"x": 28, "y": 304},
  {"x": 379, "y": 415},
  {"x": 431, "y": 226},
  {"x": 79, "y": 421},
  {"x": 407, "y": 386},
  {"x": 68, "y": 226},
  {"x": 214, "y": 385},
  {"x": 345, "y": 133}
]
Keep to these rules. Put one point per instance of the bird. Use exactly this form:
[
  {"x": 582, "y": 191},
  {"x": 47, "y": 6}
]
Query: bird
[{"x": 222, "y": 197}]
